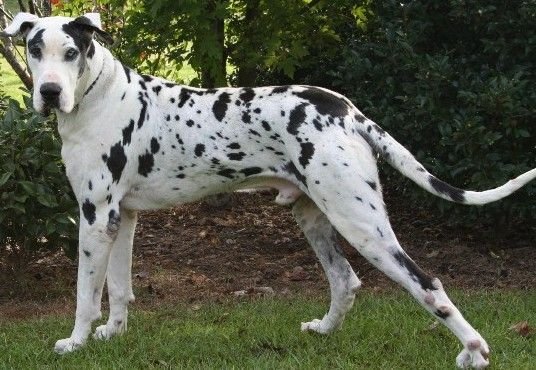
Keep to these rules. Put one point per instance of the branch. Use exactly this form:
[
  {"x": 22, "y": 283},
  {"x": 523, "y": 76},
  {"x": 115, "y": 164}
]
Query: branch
[{"x": 11, "y": 58}]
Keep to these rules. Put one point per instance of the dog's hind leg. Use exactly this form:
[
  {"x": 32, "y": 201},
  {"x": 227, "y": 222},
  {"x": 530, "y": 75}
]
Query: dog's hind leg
[
  {"x": 365, "y": 225},
  {"x": 342, "y": 280},
  {"x": 119, "y": 278}
]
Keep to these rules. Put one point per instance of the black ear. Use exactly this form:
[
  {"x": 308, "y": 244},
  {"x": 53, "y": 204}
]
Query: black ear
[
  {"x": 91, "y": 23},
  {"x": 21, "y": 25}
]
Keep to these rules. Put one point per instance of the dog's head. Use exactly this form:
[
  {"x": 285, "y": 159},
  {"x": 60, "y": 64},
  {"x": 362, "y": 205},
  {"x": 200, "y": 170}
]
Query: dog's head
[{"x": 57, "y": 50}]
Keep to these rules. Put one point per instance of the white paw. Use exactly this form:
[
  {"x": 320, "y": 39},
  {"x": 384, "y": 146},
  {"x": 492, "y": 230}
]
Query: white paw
[
  {"x": 105, "y": 332},
  {"x": 318, "y": 326},
  {"x": 66, "y": 345},
  {"x": 475, "y": 355}
]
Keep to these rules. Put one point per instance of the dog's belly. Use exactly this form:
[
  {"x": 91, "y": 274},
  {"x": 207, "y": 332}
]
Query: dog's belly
[{"x": 157, "y": 196}]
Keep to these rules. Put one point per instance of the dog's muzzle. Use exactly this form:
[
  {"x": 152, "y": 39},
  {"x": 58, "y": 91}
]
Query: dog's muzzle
[{"x": 50, "y": 92}]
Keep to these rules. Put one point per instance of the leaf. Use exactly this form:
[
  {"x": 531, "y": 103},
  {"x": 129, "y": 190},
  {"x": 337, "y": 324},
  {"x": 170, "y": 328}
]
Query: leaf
[
  {"x": 523, "y": 329},
  {"x": 4, "y": 178}
]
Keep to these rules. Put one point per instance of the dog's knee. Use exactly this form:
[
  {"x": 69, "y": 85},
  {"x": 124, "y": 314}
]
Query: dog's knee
[{"x": 114, "y": 222}]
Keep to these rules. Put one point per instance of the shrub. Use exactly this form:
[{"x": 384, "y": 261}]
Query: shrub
[
  {"x": 453, "y": 81},
  {"x": 37, "y": 207}
]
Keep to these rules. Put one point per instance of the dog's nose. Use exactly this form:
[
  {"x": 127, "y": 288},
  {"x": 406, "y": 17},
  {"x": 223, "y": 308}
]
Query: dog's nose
[{"x": 50, "y": 91}]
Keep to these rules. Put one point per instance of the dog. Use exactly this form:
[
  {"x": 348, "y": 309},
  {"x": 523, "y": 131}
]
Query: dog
[{"x": 134, "y": 142}]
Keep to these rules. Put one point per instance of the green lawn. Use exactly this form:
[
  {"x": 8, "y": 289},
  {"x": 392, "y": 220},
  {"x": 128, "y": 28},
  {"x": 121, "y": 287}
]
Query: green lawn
[
  {"x": 386, "y": 331},
  {"x": 10, "y": 83}
]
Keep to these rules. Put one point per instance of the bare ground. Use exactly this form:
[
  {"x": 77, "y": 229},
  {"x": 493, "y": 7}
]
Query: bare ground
[{"x": 196, "y": 253}]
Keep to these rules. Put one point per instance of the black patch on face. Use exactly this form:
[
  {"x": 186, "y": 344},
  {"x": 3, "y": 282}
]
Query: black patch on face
[
  {"x": 415, "y": 271},
  {"x": 91, "y": 50},
  {"x": 325, "y": 103},
  {"x": 36, "y": 41},
  {"x": 307, "y": 151},
  {"x": 88, "y": 209},
  {"x": 199, "y": 150},
  {"x": 227, "y": 172},
  {"x": 233, "y": 146},
  {"x": 116, "y": 161},
  {"x": 155, "y": 146},
  {"x": 249, "y": 171},
  {"x": 291, "y": 168},
  {"x": 220, "y": 106},
  {"x": 266, "y": 126},
  {"x": 127, "y": 133},
  {"x": 247, "y": 94},
  {"x": 145, "y": 164},
  {"x": 143, "y": 110},
  {"x": 317, "y": 124},
  {"x": 236, "y": 156},
  {"x": 372, "y": 185},
  {"x": 456, "y": 194},
  {"x": 441, "y": 314},
  {"x": 297, "y": 117},
  {"x": 81, "y": 37},
  {"x": 157, "y": 89}
]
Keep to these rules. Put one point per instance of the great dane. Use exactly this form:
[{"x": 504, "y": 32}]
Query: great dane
[{"x": 134, "y": 142}]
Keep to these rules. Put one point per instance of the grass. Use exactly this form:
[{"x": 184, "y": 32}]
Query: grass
[
  {"x": 10, "y": 83},
  {"x": 383, "y": 331}
]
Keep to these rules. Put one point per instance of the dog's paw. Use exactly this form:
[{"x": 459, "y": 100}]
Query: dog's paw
[
  {"x": 66, "y": 345},
  {"x": 317, "y": 326},
  {"x": 475, "y": 355},
  {"x": 105, "y": 332}
]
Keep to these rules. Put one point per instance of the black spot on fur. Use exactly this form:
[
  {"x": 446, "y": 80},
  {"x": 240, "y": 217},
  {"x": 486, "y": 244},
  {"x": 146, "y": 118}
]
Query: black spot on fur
[
  {"x": 326, "y": 103},
  {"x": 143, "y": 110},
  {"x": 297, "y": 117},
  {"x": 157, "y": 89},
  {"x": 415, "y": 271},
  {"x": 441, "y": 314},
  {"x": 253, "y": 132},
  {"x": 155, "y": 146},
  {"x": 116, "y": 161},
  {"x": 456, "y": 194},
  {"x": 291, "y": 168},
  {"x": 233, "y": 146},
  {"x": 190, "y": 123},
  {"x": 280, "y": 90},
  {"x": 127, "y": 133},
  {"x": 266, "y": 126},
  {"x": 247, "y": 94},
  {"x": 249, "y": 171},
  {"x": 359, "y": 118},
  {"x": 127, "y": 73},
  {"x": 307, "y": 151},
  {"x": 220, "y": 106},
  {"x": 246, "y": 117},
  {"x": 257, "y": 110},
  {"x": 227, "y": 172},
  {"x": 236, "y": 156},
  {"x": 372, "y": 185},
  {"x": 88, "y": 209},
  {"x": 90, "y": 185},
  {"x": 87, "y": 253},
  {"x": 317, "y": 124},
  {"x": 145, "y": 164},
  {"x": 184, "y": 96},
  {"x": 199, "y": 150}
]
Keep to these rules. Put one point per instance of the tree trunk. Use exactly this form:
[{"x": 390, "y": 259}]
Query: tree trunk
[{"x": 247, "y": 72}]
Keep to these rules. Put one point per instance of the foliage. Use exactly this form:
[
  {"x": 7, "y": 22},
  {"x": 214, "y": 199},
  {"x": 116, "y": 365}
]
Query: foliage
[
  {"x": 37, "y": 207},
  {"x": 383, "y": 331},
  {"x": 453, "y": 81}
]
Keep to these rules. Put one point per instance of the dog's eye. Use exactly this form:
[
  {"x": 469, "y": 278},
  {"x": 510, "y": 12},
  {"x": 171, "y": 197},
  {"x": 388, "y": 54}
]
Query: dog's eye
[
  {"x": 35, "y": 52},
  {"x": 71, "y": 54}
]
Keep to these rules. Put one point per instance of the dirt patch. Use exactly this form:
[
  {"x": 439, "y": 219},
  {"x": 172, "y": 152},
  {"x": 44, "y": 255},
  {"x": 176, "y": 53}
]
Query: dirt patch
[{"x": 198, "y": 253}]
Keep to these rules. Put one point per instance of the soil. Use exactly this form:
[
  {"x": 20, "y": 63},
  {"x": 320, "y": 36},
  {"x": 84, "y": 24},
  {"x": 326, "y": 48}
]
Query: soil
[{"x": 199, "y": 253}]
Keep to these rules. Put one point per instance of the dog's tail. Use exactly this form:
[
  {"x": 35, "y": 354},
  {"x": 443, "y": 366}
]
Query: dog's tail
[{"x": 401, "y": 159}]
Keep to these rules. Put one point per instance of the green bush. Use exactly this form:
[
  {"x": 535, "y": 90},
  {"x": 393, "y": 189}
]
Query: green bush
[
  {"x": 37, "y": 207},
  {"x": 453, "y": 81}
]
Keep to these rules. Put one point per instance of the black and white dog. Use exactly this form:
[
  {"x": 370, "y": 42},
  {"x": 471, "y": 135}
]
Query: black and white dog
[{"x": 134, "y": 142}]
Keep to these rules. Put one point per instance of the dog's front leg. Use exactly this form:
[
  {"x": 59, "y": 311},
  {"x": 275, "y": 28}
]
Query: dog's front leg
[{"x": 97, "y": 233}]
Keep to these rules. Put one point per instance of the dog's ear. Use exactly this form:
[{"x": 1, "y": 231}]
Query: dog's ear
[
  {"x": 21, "y": 25},
  {"x": 91, "y": 22}
]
